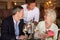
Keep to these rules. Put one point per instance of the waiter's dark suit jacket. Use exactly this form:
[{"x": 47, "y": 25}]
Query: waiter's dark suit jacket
[{"x": 7, "y": 29}]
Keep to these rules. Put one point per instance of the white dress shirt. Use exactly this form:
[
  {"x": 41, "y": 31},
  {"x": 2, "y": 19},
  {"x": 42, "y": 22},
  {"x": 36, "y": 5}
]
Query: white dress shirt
[
  {"x": 30, "y": 14},
  {"x": 42, "y": 29}
]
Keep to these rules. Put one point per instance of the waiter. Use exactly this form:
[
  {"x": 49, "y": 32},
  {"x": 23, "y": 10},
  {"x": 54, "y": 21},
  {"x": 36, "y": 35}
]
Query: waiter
[{"x": 31, "y": 12}]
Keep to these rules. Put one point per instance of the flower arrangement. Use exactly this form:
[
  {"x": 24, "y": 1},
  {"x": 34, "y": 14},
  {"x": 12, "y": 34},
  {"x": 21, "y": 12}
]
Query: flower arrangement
[{"x": 50, "y": 33}]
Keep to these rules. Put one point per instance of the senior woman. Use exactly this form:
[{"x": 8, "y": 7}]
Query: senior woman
[{"x": 47, "y": 29}]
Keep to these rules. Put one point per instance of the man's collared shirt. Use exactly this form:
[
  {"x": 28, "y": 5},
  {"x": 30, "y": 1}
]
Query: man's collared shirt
[
  {"x": 16, "y": 27},
  {"x": 30, "y": 14}
]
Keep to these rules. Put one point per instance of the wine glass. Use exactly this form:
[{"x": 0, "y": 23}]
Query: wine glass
[{"x": 25, "y": 30}]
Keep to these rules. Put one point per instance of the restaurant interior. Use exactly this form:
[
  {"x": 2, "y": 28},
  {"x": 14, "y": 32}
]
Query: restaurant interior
[{"x": 7, "y": 5}]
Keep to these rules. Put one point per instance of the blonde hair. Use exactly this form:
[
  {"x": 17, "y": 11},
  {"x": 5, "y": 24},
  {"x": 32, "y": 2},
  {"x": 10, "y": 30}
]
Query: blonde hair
[{"x": 52, "y": 13}]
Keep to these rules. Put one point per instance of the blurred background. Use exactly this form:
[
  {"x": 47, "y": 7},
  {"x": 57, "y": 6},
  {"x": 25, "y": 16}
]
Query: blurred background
[{"x": 7, "y": 5}]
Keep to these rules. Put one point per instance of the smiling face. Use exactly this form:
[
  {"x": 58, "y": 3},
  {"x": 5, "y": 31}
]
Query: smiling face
[
  {"x": 31, "y": 6},
  {"x": 50, "y": 16},
  {"x": 20, "y": 14},
  {"x": 47, "y": 19}
]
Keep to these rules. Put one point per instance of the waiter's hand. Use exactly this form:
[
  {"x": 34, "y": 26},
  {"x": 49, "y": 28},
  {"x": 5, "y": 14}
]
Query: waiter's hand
[
  {"x": 29, "y": 26},
  {"x": 22, "y": 37},
  {"x": 35, "y": 23}
]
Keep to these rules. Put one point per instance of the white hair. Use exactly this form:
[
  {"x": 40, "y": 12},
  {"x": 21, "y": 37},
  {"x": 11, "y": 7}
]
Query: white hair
[{"x": 52, "y": 13}]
